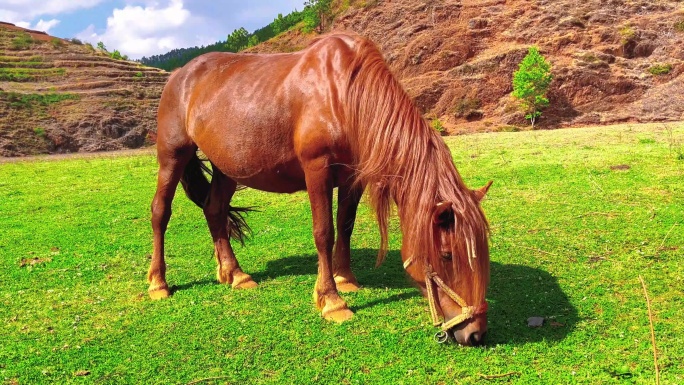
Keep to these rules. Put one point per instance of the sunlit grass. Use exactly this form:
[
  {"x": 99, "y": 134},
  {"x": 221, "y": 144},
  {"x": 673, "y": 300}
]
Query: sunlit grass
[{"x": 577, "y": 215}]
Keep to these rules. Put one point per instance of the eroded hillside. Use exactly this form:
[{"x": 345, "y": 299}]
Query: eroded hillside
[
  {"x": 613, "y": 61},
  {"x": 59, "y": 96}
]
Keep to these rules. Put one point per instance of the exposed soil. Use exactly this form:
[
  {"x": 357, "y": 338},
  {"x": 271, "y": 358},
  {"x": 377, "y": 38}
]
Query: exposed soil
[{"x": 457, "y": 58}]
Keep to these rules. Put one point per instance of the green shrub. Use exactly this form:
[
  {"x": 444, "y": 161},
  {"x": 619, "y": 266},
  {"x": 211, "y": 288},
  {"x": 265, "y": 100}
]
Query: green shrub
[
  {"x": 437, "y": 126},
  {"x": 56, "y": 42},
  {"x": 660, "y": 69},
  {"x": 627, "y": 33},
  {"x": 22, "y": 41},
  {"x": 40, "y": 131},
  {"x": 117, "y": 55},
  {"x": 138, "y": 75},
  {"x": 679, "y": 26}
]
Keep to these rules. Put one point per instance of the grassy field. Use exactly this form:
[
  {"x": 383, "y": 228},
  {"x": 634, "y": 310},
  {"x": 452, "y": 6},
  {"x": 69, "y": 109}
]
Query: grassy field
[{"x": 577, "y": 216}]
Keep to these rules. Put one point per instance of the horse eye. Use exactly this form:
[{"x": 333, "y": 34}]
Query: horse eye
[{"x": 447, "y": 256}]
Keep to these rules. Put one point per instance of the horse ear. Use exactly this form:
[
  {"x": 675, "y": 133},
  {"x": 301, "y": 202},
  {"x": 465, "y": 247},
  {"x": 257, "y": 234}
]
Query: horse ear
[
  {"x": 481, "y": 192},
  {"x": 443, "y": 214}
]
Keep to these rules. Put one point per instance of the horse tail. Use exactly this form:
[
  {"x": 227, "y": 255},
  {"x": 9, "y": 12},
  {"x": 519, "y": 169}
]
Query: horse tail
[
  {"x": 195, "y": 182},
  {"x": 197, "y": 188}
]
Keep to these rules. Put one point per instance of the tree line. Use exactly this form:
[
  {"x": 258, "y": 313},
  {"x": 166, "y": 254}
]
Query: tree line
[{"x": 315, "y": 16}]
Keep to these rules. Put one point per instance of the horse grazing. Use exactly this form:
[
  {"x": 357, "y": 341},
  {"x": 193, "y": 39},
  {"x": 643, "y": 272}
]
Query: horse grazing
[{"x": 331, "y": 115}]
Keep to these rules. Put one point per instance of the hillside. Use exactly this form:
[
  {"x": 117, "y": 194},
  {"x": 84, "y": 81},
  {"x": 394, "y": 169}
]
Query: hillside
[
  {"x": 58, "y": 96},
  {"x": 613, "y": 61}
]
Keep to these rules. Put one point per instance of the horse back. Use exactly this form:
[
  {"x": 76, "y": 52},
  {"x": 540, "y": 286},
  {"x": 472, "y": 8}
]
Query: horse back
[{"x": 256, "y": 116}]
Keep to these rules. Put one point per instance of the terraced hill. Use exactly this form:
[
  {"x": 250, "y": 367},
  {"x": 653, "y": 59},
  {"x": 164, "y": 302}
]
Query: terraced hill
[{"x": 58, "y": 96}]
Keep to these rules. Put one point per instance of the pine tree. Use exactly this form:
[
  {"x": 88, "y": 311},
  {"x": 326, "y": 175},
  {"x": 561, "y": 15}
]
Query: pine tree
[{"x": 531, "y": 82}]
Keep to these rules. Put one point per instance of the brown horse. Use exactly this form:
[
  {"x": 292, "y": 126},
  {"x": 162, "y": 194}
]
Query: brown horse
[{"x": 329, "y": 116}]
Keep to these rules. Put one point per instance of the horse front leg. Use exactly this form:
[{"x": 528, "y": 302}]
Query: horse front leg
[
  {"x": 216, "y": 212},
  {"x": 320, "y": 187},
  {"x": 347, "y": 202}
]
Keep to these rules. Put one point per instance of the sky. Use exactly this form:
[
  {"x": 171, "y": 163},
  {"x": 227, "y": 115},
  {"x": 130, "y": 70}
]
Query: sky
[{"x": 140, "y": 28}]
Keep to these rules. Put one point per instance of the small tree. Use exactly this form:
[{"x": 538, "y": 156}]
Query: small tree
[
  {"x": 317, "y": 15},
  {"x": 531, "y": 82},
  {"x": 237, "y": 40},
  {"x": 101, "y": 46}
]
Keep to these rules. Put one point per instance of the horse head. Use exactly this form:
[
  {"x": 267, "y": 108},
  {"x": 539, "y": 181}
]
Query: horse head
[{"x": 454, "y": 275}]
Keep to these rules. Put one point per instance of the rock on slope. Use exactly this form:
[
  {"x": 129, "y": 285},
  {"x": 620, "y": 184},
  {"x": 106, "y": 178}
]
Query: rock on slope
[
  {"x": 456, "y": 58},
  {"x": 57, "y": 96}
]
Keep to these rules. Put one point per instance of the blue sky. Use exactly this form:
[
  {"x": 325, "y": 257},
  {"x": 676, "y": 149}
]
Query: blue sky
[{"x": 144, "y": 27}]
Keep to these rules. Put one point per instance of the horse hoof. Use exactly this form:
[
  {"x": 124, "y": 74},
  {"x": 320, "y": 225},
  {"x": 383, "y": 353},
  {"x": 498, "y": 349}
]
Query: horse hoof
[
  {"x": 246, "y": 285},
  {"x": 157, "y": 294},
  {"x": 338, "y": 316},
  {"x": 337, "y": 311},
  {"x": 347, "y": 287},
  {"x": 243, "y": 281}
]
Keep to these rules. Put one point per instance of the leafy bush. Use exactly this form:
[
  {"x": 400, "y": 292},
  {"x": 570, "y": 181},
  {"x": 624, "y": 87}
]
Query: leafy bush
[
  {"x": 40, "y": 131},
  {"x": 660, "y": 69},
  {"x": 627, "y": 34},
  {"x": 117, "y": 55},
  {"x": 22, "y": 41},
  {"x": 138, "y": 75},
  {"x": 56, "y": 42},
  {"x": 437, "y": 126}
]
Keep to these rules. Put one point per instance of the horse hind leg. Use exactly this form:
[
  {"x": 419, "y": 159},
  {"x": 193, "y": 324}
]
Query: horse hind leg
[
  {"x": 222, "y": 224},
  {"x": 348, "y": 202},
  {"x": 171, "y": 168}
]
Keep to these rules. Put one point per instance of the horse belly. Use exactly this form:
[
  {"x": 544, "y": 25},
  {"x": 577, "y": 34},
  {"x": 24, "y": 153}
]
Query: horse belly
[{"x": 282, "y": 178}]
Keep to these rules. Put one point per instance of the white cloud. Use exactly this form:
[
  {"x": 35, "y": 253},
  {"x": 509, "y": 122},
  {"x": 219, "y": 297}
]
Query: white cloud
[
  {"x": 17, "y": 11},
  {"x": 45, "y": 26},
  {"x": 41, "y": 25},
  {"x": 146, "y": 30}
]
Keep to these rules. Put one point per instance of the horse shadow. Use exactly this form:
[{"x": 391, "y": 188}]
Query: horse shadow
[{"x": 516, "y": 293}]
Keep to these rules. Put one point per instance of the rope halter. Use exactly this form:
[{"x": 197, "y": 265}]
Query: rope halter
[{"x": 467, "y": 312}]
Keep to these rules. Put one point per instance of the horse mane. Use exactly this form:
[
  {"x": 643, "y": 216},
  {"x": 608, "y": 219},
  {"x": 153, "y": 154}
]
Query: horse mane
[{"x": 399, "y": 156}]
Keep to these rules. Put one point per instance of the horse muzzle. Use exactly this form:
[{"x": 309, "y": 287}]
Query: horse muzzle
[{"x": 467, "y": 328}]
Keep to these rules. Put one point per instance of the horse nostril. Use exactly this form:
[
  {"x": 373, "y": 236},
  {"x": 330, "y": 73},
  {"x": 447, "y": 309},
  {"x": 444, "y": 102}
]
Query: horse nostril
[{"x": 476, "y": 339}]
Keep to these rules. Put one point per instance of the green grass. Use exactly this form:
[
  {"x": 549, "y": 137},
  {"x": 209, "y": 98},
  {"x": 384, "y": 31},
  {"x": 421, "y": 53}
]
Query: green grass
[
  {"x": 21, "y": 100},
  {"x": 577, "y": 215},
  {"x": 30, "y": 74}
]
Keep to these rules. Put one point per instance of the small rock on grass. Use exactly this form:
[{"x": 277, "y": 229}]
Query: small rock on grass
[{"x": 535, "y": 322}]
